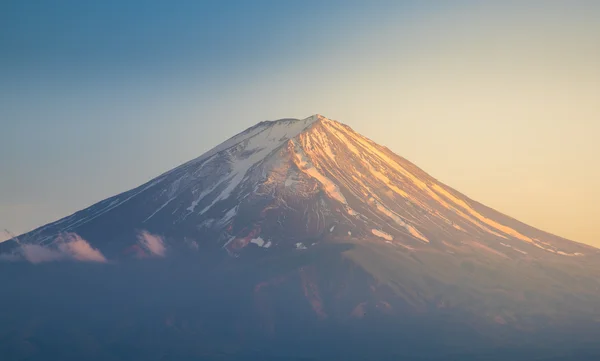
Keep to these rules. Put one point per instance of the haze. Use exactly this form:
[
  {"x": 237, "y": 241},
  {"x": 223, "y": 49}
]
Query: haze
[{"x": 499, "y": 101}]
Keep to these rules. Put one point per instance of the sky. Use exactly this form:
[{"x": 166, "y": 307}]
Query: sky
[{"x": 498, "y": 99}]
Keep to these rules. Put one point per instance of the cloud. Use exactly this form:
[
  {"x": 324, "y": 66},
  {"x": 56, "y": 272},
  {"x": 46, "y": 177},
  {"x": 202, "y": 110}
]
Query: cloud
[
  {"x": 152, "y": 243},
  {"x": 79, "y": 249},
  {"x": 38, "y": 254},
  {"x": 67, "y": 246}
]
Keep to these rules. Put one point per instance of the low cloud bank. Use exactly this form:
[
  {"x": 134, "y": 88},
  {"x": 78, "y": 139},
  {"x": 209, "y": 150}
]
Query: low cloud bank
[
  {"x": 152, "y": 243},
  {"x": 67, "y": 246}
]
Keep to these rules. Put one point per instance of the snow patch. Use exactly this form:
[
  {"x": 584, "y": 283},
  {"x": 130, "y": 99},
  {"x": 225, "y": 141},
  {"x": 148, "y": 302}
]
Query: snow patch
[
  {"x": 195, "y": 202},
  {"x": 382, "y": 234},
  {"x": 562, "y": 253},
  {"x": 300, "y": 245},
  {"x": 323, "y": 144},
  {"x": 158, "y": 210},
  {"x": 457, "y": 227},
  {"x": 228, "y": 242},
  {"x": 511, "y": 247},
  {"x": 258, "y": 241},
  {"x": 416, "y": 233},
  {"x": 304, "y": 164},
  {"x": 207, "y": 223},
  {"x": 413, "y": 232},
  {"x": 229, "y": 215}
]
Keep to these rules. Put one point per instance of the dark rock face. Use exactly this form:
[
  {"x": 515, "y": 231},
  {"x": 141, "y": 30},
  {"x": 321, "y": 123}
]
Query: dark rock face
[{"x": 303, "y": 238}]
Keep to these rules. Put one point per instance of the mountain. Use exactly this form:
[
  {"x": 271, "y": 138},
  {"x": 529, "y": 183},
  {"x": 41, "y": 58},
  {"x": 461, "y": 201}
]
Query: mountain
[
  {"x": 289, "y": 181},
  {"x": 311, "y": 226}
]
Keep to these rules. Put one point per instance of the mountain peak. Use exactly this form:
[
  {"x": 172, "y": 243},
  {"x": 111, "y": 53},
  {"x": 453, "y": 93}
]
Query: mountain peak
[
  {"x": 318, "y": 117},
  {"x": 315, "y": 118}
]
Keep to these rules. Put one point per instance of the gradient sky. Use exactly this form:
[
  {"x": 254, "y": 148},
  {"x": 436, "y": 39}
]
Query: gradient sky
[{"x": 498, "y": 99}]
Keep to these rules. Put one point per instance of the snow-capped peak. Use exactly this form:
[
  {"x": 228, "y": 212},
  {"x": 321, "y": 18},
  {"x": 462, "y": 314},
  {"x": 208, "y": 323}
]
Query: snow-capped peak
[{"x": 292, "y": 179}]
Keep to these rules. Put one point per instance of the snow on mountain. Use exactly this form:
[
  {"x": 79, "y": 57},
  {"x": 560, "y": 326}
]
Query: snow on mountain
[{"x": 286, "y": 181}]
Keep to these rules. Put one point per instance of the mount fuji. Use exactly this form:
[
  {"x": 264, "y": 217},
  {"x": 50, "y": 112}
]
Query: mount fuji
[
  {"x": 284, "y": 183},
  {"x": 318, "y": 228}
]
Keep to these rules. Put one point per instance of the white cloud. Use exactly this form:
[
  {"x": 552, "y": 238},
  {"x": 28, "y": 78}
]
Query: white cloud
[
  {"x": 152, "y": 243},
  {"x": 67, "y": 246},
  {"x": 73, "y": 245}
]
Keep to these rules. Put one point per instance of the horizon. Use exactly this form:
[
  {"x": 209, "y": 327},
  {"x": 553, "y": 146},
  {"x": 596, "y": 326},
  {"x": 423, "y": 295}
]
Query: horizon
[{"x": 497, "y": 101}]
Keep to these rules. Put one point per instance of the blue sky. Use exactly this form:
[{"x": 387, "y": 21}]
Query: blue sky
[
  {"x": 97, "y": 97},
  {"x": 210, "y": 38}
]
